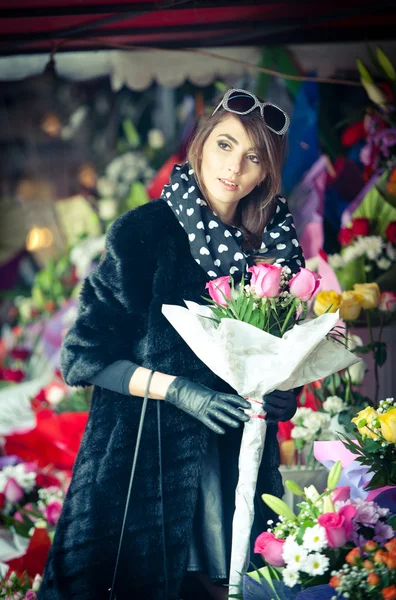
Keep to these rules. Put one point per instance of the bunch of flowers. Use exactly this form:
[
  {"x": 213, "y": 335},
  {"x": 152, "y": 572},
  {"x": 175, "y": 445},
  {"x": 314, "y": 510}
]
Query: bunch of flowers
[
  {"x": 375, "y": 443},
  {"x": 305, "y": 548},
  {"x": 313, "y": 425},
  {"x": 365, "y": 296},
  {"x": 376, "y": 253},
  {"x": 16, "y": 587},
  {"x": 271, "y": 299},
  {"x": 369, "y": 572},
  {"x": 29, "y": 497}
]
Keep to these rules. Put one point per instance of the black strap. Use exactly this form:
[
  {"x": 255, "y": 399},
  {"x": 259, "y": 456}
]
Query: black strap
[{"x": 135, "y": 456}]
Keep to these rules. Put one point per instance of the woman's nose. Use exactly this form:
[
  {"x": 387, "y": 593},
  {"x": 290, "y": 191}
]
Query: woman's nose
[{"x": 235, "y": 166}]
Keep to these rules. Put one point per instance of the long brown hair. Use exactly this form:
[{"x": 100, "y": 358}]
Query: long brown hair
[{"x": 255, "y": 209}]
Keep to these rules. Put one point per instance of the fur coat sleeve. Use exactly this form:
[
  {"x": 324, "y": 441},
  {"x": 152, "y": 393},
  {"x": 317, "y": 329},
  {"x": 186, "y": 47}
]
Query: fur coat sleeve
[{"x": 98, "y": 338}]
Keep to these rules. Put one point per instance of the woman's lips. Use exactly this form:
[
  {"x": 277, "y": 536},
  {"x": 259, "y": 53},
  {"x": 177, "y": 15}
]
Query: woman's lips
[{"x": 228, "y": 186}]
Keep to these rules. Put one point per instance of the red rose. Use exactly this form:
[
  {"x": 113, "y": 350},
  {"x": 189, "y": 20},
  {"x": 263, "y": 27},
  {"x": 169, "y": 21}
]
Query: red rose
[
  {"x": 346, "y": 236},
  {"x": 361, "y": 226},
  {"x": 20, "y": 353},
  {"x": 44, "y": 480},
  {"x": 353, "y": 134},
  {"x": 390, "y": 232},
  {"x": 13, "y": 375},
  {"x": 2, "y": 500}
]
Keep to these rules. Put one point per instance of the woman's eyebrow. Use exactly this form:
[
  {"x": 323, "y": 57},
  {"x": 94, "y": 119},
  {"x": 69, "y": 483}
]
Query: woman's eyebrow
[{"x": 228, "y": 136}]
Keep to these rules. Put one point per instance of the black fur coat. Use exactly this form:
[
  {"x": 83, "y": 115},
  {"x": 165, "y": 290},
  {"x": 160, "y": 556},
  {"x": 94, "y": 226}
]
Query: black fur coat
[{"x": 147, "y": 263}]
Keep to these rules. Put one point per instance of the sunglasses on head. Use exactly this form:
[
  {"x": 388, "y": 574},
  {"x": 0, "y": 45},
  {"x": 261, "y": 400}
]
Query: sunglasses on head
[{"x": 242, "y": 102}]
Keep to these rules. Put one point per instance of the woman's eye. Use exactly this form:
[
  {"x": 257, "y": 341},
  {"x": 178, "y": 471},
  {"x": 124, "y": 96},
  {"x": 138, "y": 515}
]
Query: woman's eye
[
  {"x": 223, "y": 145},
  {"x": 253, "y": 158}
]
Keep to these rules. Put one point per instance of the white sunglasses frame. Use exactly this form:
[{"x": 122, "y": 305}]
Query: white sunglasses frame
[{"x": 257, "y": 103}]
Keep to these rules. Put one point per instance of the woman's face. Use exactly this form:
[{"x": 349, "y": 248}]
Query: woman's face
[{"x": 230, "y": 166}]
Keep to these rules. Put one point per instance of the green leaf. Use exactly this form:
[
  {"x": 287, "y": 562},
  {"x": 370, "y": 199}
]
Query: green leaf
[
  {"x": 249, "y": 310},
  {"x": 365, "y": 74},
  {"x": 385, "y": 64},
  {"x": 278, "y": 506},
  {"x": 294, "y": 488},
  {"x": 380, "y": 353}
]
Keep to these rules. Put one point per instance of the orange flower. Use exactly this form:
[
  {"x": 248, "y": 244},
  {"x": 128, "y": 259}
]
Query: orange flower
[
  {"x": 334, "y": 581},
  {"x": 389, "y": 593},
  {"x": 367, "y": 564},
  {"x": 391, "y": 562},
  {"x": 381, "y": 557},
  {"x": 373, "y": 579},
  {"x": 371, "y": 545},
  {"x": 353, "y": 556},
  {"x": 391, "y": 545}
]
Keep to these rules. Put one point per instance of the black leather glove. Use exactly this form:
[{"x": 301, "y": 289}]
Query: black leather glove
[
  {"x": 280, "y": 406},
  {"x": 209, "y": 407}
]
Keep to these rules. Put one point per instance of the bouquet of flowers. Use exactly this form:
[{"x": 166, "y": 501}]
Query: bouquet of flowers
[
  {"x": 29, "y": 497},
  {"x": 365, "y": 255},
  {"x": 375, "y": 443},
  {"x": 15, "y": 587},
  {"x": 368, "y": 572},
  {"x": 249, "y": 336},
  {"x": 331, "y": 528}
]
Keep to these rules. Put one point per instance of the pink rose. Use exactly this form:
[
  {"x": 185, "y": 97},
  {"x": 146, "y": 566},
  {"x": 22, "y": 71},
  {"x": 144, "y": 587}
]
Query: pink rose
[
  {"x": 341, "y": 494},
  {"x": 19, "y": 517},
  {"x": 304, "y": 284},
  {"x": 387, "y": 302},
  {"x": 53, "y": 511},
  {"x": 30, "y": 595},
  {"x": 338, "y": 526},
  {"x": 218, "y": 288},
  {"x": 270, "y": 547},
  {"x": 13, "y": 492},
  {"x": 266, "y": 280}
]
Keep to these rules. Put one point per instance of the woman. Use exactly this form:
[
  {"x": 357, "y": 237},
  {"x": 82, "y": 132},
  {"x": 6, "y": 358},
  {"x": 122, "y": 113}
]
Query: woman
[{"x": 220, "y": 211}]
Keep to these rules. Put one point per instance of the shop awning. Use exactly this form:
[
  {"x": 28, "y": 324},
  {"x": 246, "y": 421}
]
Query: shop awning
[{"x": 33, "y": 26}]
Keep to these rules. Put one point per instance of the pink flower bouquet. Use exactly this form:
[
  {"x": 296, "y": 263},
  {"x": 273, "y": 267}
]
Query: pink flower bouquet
[{"x": 253, "y": 336}]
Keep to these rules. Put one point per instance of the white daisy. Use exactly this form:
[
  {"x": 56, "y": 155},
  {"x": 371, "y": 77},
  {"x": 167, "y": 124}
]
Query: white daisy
[
  {"x": 314, "y": 538},
  {"x": 290, "y": 578},
  {"x": 293, "y": 554},
  {"x": 316, "y": 564}
]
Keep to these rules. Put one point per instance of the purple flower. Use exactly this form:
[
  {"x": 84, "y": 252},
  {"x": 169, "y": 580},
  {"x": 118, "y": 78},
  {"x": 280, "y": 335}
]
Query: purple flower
[
  {"x": 383, "y": 532},
  {"x": 367, "y": 512}
]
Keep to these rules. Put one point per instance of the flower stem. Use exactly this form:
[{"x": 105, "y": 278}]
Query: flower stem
[
  {"x": 292, "y": 310},
  {"x": 370, "y": 328}
]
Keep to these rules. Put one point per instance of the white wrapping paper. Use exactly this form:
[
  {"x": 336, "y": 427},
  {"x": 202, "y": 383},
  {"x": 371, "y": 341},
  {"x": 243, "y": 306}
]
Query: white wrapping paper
[{"x": 254, "y": 363}]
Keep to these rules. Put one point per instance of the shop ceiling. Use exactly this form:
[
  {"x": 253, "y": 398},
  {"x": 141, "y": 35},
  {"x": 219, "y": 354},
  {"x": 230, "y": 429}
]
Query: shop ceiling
[{"x": 36, "y": 26}]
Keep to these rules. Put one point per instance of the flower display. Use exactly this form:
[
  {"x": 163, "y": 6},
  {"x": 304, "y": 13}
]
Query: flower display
[
  {"x": 15, "y": 587},
  {"x": 303, "y": 549},
  {"x": 375, "y": 442}
]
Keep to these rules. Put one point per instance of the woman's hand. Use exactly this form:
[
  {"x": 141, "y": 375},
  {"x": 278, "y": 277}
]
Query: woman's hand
[
  {"x": 280, "y": 406},
  {"x": 210, "y": 407}
]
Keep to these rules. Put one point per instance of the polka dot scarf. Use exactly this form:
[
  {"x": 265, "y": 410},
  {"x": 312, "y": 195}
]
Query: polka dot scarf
[{"x": 216, "y": 247}]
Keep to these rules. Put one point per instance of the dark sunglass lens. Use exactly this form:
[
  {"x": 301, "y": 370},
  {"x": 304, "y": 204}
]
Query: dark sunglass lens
[
  {"x": 274, "y": 117},
  {"x": 240, "y": 102}
]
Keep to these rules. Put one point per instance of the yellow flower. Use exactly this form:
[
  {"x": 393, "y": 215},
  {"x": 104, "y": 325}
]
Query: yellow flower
[
  {"x": 366, "y": 417},
  {"x": 327, "y": 302},
  {"x": 351, "y": 305},
  {"x": 370, "y": 292},
  {"x": 388, "y": 425}
]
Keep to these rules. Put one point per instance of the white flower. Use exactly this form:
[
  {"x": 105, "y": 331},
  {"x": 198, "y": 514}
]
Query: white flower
[
  {"x": 373, "y": 245},
  {"x": 311, "y": 493},
  {"x": 301, "y": 413},
  {"x": 55, "y": 394},
  {"x": 106, "y": 188},
  {"x": 156, "y": 139},
  {"x": 336, "y": 261},
  {"x": 316, "y": 421},
  {"x": 302, "y": 433},
  {"x": 384, "y": 263},
  {"x": 357, "y": 372},
  {"x": 107, "y": 209},
  {"x": 352, "y": 341},
  {"x": 290, "y": 577},
  {"x": 316, "y": 564},
  {"x": 314, "y": 538},
  {"x": 391, "y": 251},
  {"x": 333, "y": 404},
  {"x": 26, "y": 480},
  {"x": 293, "y": 554}
]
